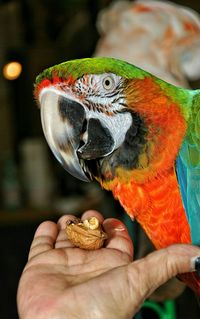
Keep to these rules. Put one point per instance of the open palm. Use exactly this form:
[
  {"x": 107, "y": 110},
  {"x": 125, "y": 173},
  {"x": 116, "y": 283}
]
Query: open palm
[{"x": 60, "y": 281}]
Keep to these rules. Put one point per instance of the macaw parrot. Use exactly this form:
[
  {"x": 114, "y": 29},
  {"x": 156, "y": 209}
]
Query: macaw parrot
[{"x": 137, "y": 135}]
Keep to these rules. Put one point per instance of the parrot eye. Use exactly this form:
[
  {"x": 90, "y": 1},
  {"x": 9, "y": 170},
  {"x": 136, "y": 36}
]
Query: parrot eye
[{"x": 108, "y": 83}]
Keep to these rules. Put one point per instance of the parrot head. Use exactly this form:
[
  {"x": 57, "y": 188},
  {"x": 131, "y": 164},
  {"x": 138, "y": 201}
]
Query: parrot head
[{"x": 104, "y": 118}]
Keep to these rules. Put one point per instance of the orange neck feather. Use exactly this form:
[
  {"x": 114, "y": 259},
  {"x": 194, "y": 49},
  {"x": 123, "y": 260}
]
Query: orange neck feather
[
  {"x": 157, "y": 206},
  {"x": 165, "y": 124}
]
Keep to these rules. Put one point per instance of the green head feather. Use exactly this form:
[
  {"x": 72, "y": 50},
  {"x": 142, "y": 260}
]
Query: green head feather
[{"x": 78, "y": 68}]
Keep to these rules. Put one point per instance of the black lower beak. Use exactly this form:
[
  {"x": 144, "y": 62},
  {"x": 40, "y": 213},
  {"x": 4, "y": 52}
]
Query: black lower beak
[{"x": 99, "y": 141}]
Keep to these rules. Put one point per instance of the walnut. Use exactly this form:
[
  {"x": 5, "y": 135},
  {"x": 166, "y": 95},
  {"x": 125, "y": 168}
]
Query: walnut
[{"x": 87, "y": 234}]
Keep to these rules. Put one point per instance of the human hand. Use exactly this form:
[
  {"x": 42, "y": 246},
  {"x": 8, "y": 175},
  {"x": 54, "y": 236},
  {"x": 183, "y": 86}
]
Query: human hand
[{"x": 60, "y": 281}]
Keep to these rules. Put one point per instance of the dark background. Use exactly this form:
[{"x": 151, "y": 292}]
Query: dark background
[{"x": 38, "y": 34}]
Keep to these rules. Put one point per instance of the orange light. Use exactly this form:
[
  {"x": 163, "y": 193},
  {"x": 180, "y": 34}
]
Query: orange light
[{"x": 12, "y": 70}]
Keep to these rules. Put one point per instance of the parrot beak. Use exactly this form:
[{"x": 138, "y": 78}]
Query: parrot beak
[
  {"x": 75, "y": 139},
  {"x": 62, "y": 124}
]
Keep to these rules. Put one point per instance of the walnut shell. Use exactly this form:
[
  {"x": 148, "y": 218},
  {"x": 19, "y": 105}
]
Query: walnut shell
[{"x": 86, "y": 235}]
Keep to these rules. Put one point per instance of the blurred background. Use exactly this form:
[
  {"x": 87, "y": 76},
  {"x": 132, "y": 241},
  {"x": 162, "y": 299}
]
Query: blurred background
[{"x": 35, "y": 34}]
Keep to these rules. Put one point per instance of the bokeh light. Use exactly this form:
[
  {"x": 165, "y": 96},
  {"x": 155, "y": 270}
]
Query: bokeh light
[{"x": 12, "y": 70}]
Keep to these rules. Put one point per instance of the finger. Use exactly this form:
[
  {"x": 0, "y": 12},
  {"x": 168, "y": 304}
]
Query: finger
[
  {"x": 118, "y": 237},
  {"x": 92, "y": 213},
  {"x": 44, "y": 238},
  {"x": 154, "y": 270},
  {"x": 62, "y": 241},
  {"x": 62, "y": 222}
]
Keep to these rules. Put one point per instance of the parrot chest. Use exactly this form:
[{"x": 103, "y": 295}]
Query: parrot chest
[{"x": 157, "y": 206}]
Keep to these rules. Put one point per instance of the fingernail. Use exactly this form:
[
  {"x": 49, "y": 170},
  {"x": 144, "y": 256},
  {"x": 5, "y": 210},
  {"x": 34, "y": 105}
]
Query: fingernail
[
  {"x": 114, "y": 225},
  {"x": 195, "y": 265},
  {"x": 119, "y": 228}
]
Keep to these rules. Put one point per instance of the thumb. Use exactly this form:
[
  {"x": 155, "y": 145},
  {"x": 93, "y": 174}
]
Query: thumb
[
  {"x": 44, "y": 239},
  {"x": 158, "y": 267}
]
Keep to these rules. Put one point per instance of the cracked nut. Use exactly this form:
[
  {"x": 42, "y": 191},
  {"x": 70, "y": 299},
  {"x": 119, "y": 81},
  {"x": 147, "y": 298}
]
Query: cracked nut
[{"x": 87, "y": 234}]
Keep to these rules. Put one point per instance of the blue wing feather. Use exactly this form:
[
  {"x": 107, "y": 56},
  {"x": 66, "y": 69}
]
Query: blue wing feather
[
  {"x": 193, "y": 195},
  {"x": 188, "y": 169},
  {"x": 189, "y": 181},
  {"x": 181, "y": 171}
]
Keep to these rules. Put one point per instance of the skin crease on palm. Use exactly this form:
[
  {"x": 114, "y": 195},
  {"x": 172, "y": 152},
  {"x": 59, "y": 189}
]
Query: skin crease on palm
[{"x": 60, "y": 281}]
